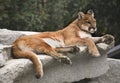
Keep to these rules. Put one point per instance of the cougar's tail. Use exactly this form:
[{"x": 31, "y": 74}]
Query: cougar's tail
[{"x": 18, "y": 53}]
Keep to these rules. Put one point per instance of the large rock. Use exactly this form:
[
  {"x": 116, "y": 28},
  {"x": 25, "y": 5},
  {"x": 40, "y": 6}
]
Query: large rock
[
  {"x": 113, "y": 74},
  {"x": 7, "y": 37},
  {"x": 84, "y": 66},
  {"x": 21, "y": 70}
]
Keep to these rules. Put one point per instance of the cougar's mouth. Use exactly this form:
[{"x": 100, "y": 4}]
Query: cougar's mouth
[
  {"x": 92, "y": 29},
  {"x": 88, "y": 29}
]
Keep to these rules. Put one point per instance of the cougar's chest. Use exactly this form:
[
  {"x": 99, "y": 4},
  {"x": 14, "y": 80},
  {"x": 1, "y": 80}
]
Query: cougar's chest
[
  {"x": 54, "y": 43},
  {"x": 83, "y": 34}
]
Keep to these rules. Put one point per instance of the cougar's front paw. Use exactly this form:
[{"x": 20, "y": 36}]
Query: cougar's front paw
[
  {"x": 75, "y": 49},
  {"x": 95, "y": 53},
  {"x": 65, "y": 60},
  {"x": 108, "y": 39}
]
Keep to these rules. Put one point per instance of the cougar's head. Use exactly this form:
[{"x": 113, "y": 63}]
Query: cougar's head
[{"x": 87, "y": 21}]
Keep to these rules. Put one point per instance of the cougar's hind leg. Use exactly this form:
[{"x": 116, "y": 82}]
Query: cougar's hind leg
[
  {"x": 69, "y": 49},
  {"x": 47, "y": 49},
  {"x": 17, "y": 53},
  {"x": 58, "y": 56}
]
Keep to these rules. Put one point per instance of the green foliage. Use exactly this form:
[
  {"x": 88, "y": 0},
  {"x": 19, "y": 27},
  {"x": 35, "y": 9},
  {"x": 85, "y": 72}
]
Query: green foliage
[
  {"x": 21, "y": 14},
  {"x": 47, "y": 15},
  {"x": 38, "y": 15}
]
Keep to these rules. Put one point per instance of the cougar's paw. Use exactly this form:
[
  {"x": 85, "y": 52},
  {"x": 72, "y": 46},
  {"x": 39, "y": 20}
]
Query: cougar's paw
[
  {"x": 39, "y": 75},
  {"x": 74, "y": 49},
  {"x": 65, "y": 60},
  {"x": 108, "y": 39},
  {"x": 94, "y": 53}
]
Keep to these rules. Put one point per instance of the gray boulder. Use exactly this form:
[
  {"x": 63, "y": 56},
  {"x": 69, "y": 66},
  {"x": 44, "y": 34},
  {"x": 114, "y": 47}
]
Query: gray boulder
[
  {"x": 84, "y": 66},
  {"x": 113, "y": 74},
  {"x": 21, "y": 70},
  {"x": 7, "y": 36}
]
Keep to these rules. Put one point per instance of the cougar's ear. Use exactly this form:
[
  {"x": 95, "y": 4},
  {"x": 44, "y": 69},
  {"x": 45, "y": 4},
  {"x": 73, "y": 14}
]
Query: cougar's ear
[
  {"x": 81, "y": 15},
  {"x": 90, "y": 12}
]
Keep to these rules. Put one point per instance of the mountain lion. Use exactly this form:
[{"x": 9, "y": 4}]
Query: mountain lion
[{"x": 52, "y": 43}]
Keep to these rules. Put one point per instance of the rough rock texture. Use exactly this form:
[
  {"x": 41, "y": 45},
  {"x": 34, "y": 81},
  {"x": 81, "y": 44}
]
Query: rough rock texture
[
  {"x": 2, "y": 60},
  {"x": 113, "y": 74},
  {"x": 8, "y": 36},
  {"x": 84, "y": 65},
  {"x": 5, "y": 53}
]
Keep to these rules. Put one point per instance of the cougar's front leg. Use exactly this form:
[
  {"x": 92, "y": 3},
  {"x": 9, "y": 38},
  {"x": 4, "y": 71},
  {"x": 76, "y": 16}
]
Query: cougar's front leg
[
  {"x": 84, "y": 41},
  {"x": 96, "y": 39}
]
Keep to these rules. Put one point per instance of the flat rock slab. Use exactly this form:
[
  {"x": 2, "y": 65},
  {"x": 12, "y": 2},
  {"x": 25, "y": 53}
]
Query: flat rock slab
[
  {"x": 7, "y": 37},
  {"x": 84, "y": 66},
  {"x": 113, "y": 74},
  {"x": 21, "y": 70}
]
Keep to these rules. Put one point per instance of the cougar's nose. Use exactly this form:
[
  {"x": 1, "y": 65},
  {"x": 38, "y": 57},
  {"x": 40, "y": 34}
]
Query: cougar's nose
[
  {"x": 92, "y": 29},
  {"x": 95, "y": 28}
]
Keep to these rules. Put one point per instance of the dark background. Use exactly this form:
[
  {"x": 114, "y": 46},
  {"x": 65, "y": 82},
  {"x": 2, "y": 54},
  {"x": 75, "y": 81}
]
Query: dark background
[{"x": 48, "y": 15}]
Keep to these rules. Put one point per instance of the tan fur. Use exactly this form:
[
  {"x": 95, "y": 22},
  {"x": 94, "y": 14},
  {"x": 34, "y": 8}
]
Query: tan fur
[{"x": 27, "y": 46}]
